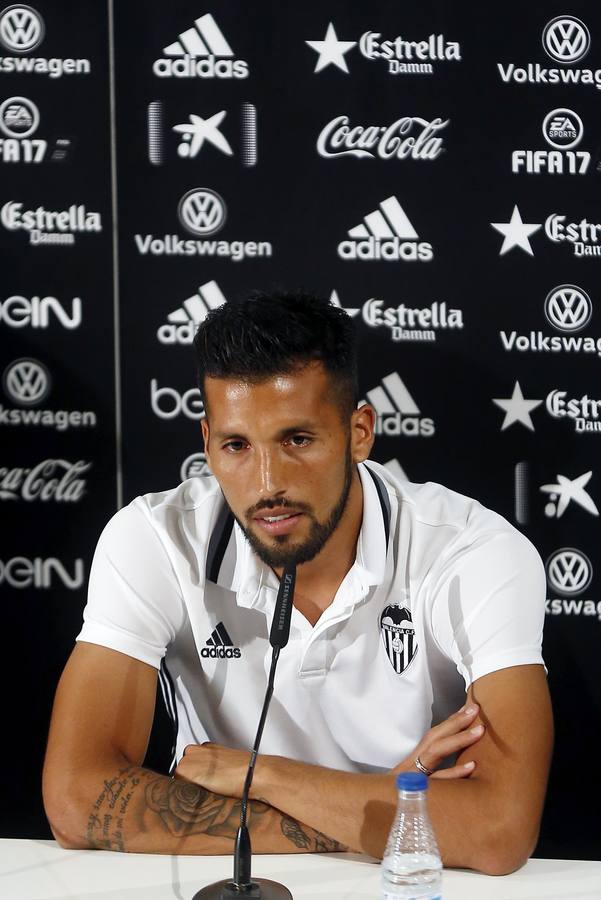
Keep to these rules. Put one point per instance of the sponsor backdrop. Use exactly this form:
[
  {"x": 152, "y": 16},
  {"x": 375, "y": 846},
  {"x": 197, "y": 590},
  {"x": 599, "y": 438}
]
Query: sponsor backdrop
[{"x": 433, "y": 169}]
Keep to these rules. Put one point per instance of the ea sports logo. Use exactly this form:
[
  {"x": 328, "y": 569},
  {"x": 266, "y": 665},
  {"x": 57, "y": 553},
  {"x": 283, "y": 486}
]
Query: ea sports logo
[
  {"x": 19, "y": 117},
  {"x": 568, "y": 308},
  {"x": 21, "y": 28},
  {"x": 569, "y": 571},
  {"x": 566, "y": 39},
  {"x": 194, "y": 466},
  {"x": 26, "y": 382},
  {"x": 562, "y": 128},
  {"x": 202, "y": 211}
]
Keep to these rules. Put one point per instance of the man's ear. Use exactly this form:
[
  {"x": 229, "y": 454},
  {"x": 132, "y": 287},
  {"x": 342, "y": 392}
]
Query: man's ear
[
  {"x": 204, "y": 427},
  {"x": 363, "y": 422}
]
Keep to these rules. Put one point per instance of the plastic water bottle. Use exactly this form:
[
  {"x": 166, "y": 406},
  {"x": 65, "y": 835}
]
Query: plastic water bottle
[{"x": 411, "y": 867}]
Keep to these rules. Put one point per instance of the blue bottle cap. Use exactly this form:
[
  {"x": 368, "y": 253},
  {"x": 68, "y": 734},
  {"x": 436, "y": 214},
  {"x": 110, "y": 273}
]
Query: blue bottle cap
[{"x": 411, "y": 781}]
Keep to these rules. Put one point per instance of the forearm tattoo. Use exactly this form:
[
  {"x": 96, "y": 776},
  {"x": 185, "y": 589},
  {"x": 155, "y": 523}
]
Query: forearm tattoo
[
  {"x": 183, "y": 809},
  {"x": 186, "y": 808},
  {"x": 106, "y": 821},
  {"x": 308, "y": 839}
]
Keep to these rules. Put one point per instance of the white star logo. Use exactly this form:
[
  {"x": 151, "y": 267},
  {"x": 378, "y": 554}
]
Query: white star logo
[
  {"x": 564, "y": 491},
  {"x": 335, "y": 301},
  {"x": 516, "y": 233},
  {"x": 517, "y": 409},
  {"x": 199, "y": 130},
  {"x": 331, "y": 50}
]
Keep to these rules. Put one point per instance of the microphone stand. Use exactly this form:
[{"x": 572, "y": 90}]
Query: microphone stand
[{"x": 242, "y": 885}]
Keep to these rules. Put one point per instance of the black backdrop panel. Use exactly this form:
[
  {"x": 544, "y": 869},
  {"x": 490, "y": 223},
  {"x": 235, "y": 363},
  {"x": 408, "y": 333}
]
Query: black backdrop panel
[
  {"x": 434, "y": 168},
  {"x": 57, "y": 432}
]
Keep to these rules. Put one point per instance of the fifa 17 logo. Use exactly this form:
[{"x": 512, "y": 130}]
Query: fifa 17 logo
[{"x": 551, "y": 162}]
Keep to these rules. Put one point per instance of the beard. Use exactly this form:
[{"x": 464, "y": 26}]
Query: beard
[{"x": 285, "y": 552}]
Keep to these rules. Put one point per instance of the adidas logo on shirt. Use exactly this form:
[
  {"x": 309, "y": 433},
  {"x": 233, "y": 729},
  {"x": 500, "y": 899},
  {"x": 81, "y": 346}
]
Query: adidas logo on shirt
[
  {"x": 183, "y": 322},
  {"x": 386, "y": 233},
  {"x": 200, "y": 52},
  {"x": 397, "y": 413},
  {"x": 220, "y": 646}
]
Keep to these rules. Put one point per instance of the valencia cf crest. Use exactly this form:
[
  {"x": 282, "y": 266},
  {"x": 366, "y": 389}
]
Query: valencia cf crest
[{"x": 398, "y": 637}]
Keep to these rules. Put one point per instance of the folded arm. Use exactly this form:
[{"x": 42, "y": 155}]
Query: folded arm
[
  {"x": 98, "y": 796},
  {"x": 487, "y": 821}
]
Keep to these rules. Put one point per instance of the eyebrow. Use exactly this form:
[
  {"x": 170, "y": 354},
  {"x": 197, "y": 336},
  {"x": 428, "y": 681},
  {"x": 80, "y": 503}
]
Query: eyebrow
[{"x": 306, "y": 427}]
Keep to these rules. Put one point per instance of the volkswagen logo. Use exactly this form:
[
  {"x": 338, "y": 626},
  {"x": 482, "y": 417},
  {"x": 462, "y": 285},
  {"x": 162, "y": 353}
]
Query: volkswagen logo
[
  {"x": 202, "y": 211},
  {"x": 26, "y": 381},
  {"x": 19, "y": 117},
  {"x": 21, "y": 28},
  {"x": 194, "y": 466},
  {"x": 569, "y": 571},
  {"x": 566, "y": 39},
  {"x": 568, "y": 308},
  {"x": 562, "y": 128}
]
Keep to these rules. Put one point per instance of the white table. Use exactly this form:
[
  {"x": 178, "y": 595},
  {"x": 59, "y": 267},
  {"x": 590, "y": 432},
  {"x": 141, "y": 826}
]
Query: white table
[{"x": 40, "y": 870}]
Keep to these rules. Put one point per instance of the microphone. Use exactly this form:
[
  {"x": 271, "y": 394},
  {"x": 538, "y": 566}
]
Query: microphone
[{"x": 242, "y": 884}]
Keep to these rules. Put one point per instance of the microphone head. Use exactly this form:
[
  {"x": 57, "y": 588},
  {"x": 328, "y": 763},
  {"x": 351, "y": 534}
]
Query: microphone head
[{"x": 280, "y": 627}]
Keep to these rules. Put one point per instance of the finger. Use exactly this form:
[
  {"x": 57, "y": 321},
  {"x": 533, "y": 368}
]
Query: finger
[
  {"x": 439, "y": 749},
  {"x": 457, "y": 721},
  {"x": 463, "y": 771}
]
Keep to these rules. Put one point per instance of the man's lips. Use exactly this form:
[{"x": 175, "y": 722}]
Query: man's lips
[{"x": 280, "y": 520}]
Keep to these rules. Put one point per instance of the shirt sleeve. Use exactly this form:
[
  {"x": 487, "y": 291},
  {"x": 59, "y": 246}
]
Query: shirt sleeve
[
  {"x": 134, "y": 602},
  {"x": 489, "y": 605}
]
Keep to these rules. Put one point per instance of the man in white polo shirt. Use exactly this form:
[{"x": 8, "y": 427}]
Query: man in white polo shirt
[{"x": 407, "y": 597}]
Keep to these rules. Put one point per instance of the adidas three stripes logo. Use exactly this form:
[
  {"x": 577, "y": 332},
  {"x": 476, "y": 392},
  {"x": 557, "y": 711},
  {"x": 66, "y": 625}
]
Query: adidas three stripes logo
[{"x": 220, "y": 645}]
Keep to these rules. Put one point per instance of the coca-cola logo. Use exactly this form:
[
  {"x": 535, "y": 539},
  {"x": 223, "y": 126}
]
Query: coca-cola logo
[
  {"x": 55, "y": 480},
  {"x": 409, "y": 137}
]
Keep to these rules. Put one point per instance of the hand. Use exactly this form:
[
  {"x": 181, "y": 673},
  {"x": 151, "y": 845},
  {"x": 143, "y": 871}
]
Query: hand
[
  {"x": 216, "y": 768},
  {"x": 449, "y": 737}
]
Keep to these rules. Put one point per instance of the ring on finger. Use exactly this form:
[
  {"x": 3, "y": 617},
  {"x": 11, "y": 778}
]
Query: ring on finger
[{"x": 422, "y": 768}]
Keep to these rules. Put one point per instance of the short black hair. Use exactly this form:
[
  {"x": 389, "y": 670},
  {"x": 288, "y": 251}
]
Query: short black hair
[{"x": 269, "y": 334}]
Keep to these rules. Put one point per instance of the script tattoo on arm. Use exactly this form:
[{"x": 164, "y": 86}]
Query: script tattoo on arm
[
  {"x": 106, "y": 821},
  {"x": 308, "y": 839},
  {"x": 183, "y": 809}
]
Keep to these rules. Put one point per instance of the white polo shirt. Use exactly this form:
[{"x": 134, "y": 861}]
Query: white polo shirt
[{"x": 442, "y": 592}]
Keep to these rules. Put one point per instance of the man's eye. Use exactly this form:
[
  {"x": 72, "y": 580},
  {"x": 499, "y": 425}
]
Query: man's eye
[
  {"x": 300, "y": 440},
  {"x": 234, "y": 446}
]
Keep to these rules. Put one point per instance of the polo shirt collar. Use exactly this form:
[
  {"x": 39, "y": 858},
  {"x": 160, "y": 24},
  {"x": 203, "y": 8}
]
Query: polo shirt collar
[{"x": 254, "y": 582}]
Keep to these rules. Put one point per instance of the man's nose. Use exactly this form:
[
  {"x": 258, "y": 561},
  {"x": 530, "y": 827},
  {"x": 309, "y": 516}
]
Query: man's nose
[{"x": 269, "y": 474}]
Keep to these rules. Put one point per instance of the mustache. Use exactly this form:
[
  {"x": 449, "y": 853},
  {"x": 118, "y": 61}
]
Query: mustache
[{"x": 278, "y": 503}]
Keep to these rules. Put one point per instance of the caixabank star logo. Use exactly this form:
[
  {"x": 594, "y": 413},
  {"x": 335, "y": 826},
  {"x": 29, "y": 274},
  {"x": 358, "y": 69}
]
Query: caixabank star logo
[{"x": 201, "y": 137}]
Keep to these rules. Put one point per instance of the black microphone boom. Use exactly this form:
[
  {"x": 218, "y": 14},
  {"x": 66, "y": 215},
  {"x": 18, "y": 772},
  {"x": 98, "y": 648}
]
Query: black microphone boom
[{"x": 242, "y": 884}]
